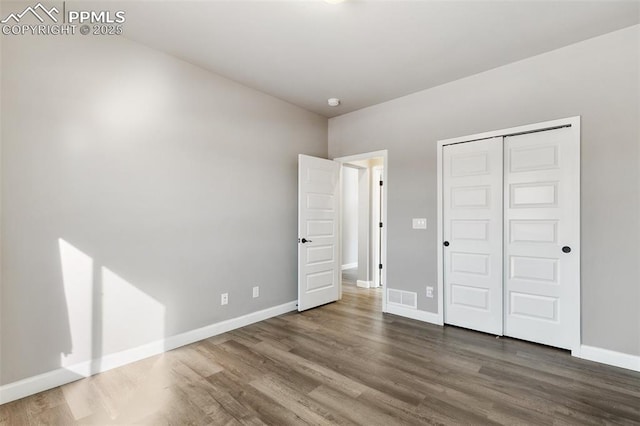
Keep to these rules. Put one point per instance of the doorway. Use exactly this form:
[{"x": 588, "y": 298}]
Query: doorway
[
  {"x": 363, "y": 245},
  {"x": 320, "y": 226}
]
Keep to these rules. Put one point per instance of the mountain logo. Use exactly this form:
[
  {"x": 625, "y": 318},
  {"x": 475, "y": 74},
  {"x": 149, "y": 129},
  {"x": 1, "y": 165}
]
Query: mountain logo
[{"x": 38, "y": 11}]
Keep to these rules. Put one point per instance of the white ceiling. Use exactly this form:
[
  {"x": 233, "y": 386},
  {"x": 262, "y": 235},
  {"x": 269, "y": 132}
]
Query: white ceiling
[{"x": 363, "y": 52}]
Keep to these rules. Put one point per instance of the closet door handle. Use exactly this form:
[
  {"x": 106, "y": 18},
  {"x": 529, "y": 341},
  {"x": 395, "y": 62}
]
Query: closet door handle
[
  {"x": 446, "y": 244},
  {"x": 566, "y": 249}
]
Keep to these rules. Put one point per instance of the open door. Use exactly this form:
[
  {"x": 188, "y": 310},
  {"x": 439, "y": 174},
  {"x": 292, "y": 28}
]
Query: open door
[{"x": 318, "y": 225}]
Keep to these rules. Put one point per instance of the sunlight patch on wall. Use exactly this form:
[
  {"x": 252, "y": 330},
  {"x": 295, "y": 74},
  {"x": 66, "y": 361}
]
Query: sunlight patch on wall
[
  {"x": 106, "y": 313},
  {"x": 77, "y": 276},
  {"x": 130, "y": 317}
]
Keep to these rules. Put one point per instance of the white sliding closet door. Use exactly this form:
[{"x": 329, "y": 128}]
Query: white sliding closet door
[
  {"x": 542, "y": 231},
  {"x": 472, "y": 230}
]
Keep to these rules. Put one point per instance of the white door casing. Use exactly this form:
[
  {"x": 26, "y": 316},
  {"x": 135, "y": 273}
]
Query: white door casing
[
  {"x": 472, "y": 233},
  {"x": 376, "y": 230},
  {"x": 542, "y": 221},
  {"x": 318, "y": 232}
]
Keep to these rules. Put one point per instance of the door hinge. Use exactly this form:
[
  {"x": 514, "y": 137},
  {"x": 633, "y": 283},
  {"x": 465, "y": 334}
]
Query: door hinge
[
  {"x": 380, "y": 266},
  {"x": 381, "y": 183},
  {"x": 380, "y": 224}
]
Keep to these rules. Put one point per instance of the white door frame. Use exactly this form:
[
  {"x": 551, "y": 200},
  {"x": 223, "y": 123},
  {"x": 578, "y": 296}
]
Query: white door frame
[
  {"x": 573, "y": 122},
  {"x": 376, "y": 219},
  {"x": 366, "y": 156}
]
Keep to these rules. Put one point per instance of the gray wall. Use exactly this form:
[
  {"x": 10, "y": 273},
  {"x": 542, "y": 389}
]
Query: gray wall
[
  {"x": 182, "y": 184},
  {"x": 597, "y": 79},
  {"x": 349, "y": 215}
]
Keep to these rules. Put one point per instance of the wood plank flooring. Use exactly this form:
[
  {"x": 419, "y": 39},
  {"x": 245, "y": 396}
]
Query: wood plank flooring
[{"x": 345, "y": 363}]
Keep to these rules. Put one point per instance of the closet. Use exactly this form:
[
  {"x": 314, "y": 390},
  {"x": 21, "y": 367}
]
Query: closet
[{"x": 509, "y": 230}]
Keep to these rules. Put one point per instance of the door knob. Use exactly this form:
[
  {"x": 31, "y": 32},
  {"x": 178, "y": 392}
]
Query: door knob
[
  {"x": 566, "y": 249},
  {"x": 304, "y": 240},
  {"x": 446, "y": 244}
]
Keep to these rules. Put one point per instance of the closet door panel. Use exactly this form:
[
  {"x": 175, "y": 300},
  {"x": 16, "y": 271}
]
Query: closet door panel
[
  {"x": 541, "y": 201},
  {"x": 472, "y": 211}
]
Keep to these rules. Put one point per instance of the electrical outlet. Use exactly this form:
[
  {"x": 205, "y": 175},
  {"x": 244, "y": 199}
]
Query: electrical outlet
[
  {"x": 256, "y": 292},
  {"x": 224, "y": 298},
  {"x": 430, "y": 292}
]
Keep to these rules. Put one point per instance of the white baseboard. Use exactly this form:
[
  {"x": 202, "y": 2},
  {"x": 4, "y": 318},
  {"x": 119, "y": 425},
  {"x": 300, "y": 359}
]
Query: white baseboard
[
  {"x": 415, "y": 314},
  {"x": 606, "y": 356},
  {"x": 349, "y": 266},
  {"x": 62, "y": 376},
  {"x": 364, "y": 284}
]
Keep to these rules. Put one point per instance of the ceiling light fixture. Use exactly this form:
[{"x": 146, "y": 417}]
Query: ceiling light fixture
[{"x": 334, "y": 102}]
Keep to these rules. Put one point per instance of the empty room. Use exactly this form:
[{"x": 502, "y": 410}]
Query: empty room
[{"x": 291, "y": 212}]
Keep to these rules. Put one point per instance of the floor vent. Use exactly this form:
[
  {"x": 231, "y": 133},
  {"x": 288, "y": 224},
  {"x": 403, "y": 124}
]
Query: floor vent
[{"x": 406, "y": 299}]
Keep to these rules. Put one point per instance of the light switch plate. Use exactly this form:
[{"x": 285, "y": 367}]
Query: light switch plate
[{"x": 420, "y": 223}]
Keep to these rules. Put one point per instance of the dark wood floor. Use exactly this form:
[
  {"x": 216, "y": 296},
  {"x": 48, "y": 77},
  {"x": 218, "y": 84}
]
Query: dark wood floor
[{"x": 345, "y": 363}]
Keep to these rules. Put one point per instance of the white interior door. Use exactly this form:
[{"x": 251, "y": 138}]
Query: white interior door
[
  {"x": 472, "y": 230},
  {"x": 542, "y": 231},
  {"x": 318, "y": 224}
]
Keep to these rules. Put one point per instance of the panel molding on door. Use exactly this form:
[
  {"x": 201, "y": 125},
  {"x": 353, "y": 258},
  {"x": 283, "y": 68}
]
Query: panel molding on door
[
  {"x": 318, "y": 222},
  {"x": 539, "y": 225},
  {"x": 541, "y": 211},
  {"x": 472, "y": 210}
]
